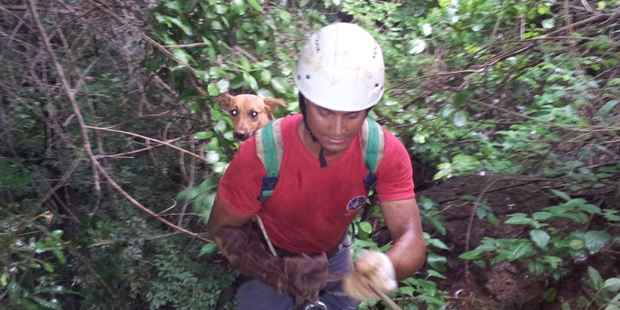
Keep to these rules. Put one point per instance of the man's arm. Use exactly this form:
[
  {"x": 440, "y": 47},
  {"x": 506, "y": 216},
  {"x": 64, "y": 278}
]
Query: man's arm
[
  {"x": 221, "y": 216},
  {"x": 408, "y": 252}
]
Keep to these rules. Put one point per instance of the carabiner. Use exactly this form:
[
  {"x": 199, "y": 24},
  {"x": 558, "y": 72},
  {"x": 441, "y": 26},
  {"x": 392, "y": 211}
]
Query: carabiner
[{"x": 317, "y": 305}]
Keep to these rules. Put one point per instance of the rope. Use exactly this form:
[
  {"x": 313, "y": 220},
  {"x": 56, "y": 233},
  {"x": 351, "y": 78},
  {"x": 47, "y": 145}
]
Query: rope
[{"x": 262, "y": 229}]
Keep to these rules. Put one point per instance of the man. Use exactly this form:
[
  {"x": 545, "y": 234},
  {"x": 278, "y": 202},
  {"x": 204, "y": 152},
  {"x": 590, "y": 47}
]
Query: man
[{"x": 320, "y": 187}]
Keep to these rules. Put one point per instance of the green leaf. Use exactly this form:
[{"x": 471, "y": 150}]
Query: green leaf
[
  {"x": 208, "y": 249},
  {"x": 433, "y": 273},
  {"x": 417, "y": 46},
  {"x": 406, "y": 290},
  {"x": 173, "y": 5},
  {"x": 595, "y": 240},
  {"x": 427, "y": 29},
  {"x": 366, "y": 227},
  {"x": 265, "y": 76},
  {"x": 203, "y": 135},
  {"x": 48, "y": 267},
  {"x": 279, "y": 85},
  {"x": 540, "y": 237},
  {"x": 438, "y": 224},
  {"x": 181, "y": 24},
  {"x": 250, "y": 81},
  {"x": 213, "y": 90},
  {"x": 614, "y": 303},
  {"x": 606, "y": 109},
  {"x": 223, "y": 85},
  {"x": 182, "y": 56},
  {"x": 212, "y": 157},
  {"x": 612, "y": 285},
  {"x": 521, "y": 219},
  {"x": 53, "y": 304},
  {"x": 560, "y": 194},
  {"x": 465, "y": 163},
  {"x": 471, "y": 255},
  {"x": 576, "y": 244},
  {"x": 552, "y": 261},
  {"x": 438, "y": 244},
  {"x": 522, "y": 249},
  {"x": 548, "y": 23},
  {"x": 255, "y": 5},
  {"x": 595, "y": 278},
  {"x": 459, "y": 118},
  {"x": 436, "y": 261},
  {"x": 239, "y": 6},
  {"x": 542, "y": 216},
  {"x": 4, "y": 280},
  {"x": 536, "y": 267},
  {"x": 220, "y": 9}
]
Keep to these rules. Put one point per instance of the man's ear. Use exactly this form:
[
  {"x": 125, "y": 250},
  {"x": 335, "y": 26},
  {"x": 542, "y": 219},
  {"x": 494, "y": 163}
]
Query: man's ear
[
  {"x": 225, "y": 100},
  {"x": 273, "y": 103}
]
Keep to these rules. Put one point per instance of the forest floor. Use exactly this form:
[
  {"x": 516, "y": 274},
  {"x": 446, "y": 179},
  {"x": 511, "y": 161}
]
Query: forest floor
[{"x": 507, "y": 285}]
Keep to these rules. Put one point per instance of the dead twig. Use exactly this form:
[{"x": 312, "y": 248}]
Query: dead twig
[
  {"x": 70, "y": 93},
  {"x": 470, "y": 223},
  {"x": 148, "y": 139},
  {"x": 63, "y": 180},
  {"x": 129, "y": 153}
]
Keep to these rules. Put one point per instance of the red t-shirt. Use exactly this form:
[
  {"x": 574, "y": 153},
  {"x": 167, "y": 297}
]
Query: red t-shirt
[{"x": 311, "y": 207}]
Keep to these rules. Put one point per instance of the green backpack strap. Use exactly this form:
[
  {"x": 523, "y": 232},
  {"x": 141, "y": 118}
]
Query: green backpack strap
[
  {"x": 269, "y": 150},
  {"x": 372, "y": 150}
]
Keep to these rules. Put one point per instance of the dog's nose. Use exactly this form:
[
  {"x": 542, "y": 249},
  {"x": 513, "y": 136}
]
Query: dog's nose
[{"x": 241, "y": 136}]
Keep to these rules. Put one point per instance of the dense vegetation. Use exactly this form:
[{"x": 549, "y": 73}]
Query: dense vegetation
[{"x": 111, "y": 144}]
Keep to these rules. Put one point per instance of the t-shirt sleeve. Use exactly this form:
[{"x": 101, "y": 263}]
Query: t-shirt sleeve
[
  {"x": 240, "y": 185},
  {"x": 395, "y": 173}
]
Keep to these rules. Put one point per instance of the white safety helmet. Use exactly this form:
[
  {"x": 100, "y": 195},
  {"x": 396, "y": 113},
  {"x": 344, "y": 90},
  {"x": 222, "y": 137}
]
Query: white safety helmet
[{"x": 341, "y": 68}]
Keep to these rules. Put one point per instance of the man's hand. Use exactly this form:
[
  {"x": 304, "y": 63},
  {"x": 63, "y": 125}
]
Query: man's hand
[{"x": 374, "y": 272}]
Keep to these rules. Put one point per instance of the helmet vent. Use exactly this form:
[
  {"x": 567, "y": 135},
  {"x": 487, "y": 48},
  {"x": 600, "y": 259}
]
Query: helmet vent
[
  {"x": 376, "y": 84},
  {"x": 307, "y": 76}
]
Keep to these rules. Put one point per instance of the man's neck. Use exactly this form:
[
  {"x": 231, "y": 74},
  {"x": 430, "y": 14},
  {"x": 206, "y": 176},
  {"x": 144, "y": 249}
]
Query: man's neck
[{"x": 310, "y": 144}]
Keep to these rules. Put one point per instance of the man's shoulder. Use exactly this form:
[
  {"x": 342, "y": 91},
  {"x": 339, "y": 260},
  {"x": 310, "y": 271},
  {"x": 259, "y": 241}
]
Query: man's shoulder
[{"x": 394, "y": 149}]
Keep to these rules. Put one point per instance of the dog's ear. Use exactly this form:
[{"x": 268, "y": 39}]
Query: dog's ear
[
  {"x": 273, "y": 103},
  {"x": 225, "y": 100}
]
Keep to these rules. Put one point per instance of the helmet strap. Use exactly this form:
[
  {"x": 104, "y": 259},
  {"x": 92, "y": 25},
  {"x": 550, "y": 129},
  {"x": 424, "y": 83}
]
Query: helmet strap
[{"x": 302, "y": 106}]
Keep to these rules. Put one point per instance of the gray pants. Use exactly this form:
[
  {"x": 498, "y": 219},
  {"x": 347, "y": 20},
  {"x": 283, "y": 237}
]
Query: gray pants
[{"x": 256, "y": 295}]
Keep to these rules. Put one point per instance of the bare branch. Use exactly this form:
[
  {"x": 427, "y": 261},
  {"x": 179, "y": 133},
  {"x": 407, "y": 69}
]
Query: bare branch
[
  {"x": 149, "y": 139},
  {"x": 70, "y": 93}
]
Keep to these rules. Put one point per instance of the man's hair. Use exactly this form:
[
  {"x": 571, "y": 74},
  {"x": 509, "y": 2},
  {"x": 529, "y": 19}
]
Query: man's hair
[{"x": 302, "y": 106}]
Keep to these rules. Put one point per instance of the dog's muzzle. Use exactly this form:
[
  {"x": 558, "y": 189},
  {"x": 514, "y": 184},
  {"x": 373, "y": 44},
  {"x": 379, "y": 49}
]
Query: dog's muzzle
[{"x": 241, "y": 136}]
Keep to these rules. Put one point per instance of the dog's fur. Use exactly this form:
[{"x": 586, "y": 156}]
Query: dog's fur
[{"x": 249, "y": 113}]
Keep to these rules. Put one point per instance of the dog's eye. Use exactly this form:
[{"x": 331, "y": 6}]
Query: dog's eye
[
  {"x": 234, "y": 112},
  {"x": 253, "y": 114}
]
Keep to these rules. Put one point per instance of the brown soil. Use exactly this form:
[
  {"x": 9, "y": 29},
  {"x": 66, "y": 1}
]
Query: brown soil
[{"x": 505, "y": 285}]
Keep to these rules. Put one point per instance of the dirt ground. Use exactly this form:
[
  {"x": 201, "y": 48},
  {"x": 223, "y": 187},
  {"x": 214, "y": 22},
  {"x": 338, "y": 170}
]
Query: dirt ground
[{"x": 507, "y": 285}]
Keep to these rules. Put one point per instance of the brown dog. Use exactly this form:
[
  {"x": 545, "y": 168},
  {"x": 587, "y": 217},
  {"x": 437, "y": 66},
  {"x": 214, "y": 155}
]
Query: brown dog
[{"x": 249, "y": 112}]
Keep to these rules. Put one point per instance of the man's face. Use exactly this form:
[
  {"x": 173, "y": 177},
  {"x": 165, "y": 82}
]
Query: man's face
[{"x": 334, "y": 130}]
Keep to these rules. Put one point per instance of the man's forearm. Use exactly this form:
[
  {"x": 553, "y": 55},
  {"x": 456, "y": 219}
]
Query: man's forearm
[{"x": 408, "y": 254}]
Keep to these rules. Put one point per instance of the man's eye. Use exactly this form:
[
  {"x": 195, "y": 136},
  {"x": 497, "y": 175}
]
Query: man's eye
[
  {"x": 324, "y": 112},
  {"x": 353, "y": 115},
  {"x": 234, "y": 112}
]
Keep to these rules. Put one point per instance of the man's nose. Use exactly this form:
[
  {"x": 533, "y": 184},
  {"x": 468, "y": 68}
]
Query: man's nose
[{"x": 339, "y": 126}]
